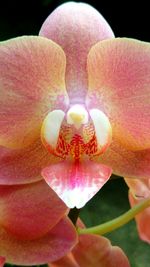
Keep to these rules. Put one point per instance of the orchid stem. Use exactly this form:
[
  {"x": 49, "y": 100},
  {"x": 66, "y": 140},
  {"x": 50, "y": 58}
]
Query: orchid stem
[
  {"x": 117, "y": 222},
  {"x": 73, "y": 215}
]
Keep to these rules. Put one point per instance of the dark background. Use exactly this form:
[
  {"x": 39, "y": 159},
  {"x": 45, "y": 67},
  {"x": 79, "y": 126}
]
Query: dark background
[{"x": 127, "y": 19}]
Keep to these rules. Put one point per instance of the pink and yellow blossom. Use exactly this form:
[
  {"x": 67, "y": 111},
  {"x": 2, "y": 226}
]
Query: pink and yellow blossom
[
  {"x": 73, "y": 97},
  {"x": 74, "y": 107}
]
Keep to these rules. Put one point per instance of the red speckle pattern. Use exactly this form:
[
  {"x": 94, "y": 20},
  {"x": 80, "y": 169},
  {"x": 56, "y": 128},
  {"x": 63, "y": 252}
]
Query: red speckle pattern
[{"x": 75, "y": 144}]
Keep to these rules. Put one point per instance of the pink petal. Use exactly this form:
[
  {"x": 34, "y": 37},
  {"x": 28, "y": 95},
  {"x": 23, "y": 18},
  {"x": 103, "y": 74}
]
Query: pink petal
[
  {"x": 94, "y": 251},
  {"x": 2, "y": 261},
  {"x": 125, "y": 162},
  {"x": 52, "y": 246},
  {"x": 29, "y": 211},
  {"x": 32, "y": 71},
  {"x": 20, "y": 166},
  {"x": 76, "y": 27},
  {"x": 139, "y": 190},
  {"x": 76, "y": 183},
  {"x": 142, "y": 220},
  {"x": 119, "y": 84}
]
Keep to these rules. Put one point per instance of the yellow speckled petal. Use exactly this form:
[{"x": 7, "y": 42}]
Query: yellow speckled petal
[
  {"x": 119, "y": 84},
  {"x": 32, "y": 73}
]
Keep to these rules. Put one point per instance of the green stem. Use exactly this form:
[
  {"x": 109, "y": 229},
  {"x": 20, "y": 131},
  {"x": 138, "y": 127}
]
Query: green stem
[
  {"x": 117, "y": 222},
  {"x": 73, "y": 215}
]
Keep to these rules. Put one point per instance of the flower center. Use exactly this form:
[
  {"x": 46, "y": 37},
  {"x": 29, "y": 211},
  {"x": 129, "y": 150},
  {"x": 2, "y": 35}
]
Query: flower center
[
  {"x": 77, "y": 116},
  {"x": 76, "y": 134}
]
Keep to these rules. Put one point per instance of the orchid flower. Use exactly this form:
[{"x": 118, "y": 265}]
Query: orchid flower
[
  {"x": 74, "y": 106},
  {"x": 140, "y": 190},
  {"x": 108, "y": 120},
  {"x": 93, "y": 251}
]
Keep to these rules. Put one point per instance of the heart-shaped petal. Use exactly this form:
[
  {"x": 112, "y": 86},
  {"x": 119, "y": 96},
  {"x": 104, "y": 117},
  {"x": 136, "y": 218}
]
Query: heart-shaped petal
[{"x": 76, "y": 182}]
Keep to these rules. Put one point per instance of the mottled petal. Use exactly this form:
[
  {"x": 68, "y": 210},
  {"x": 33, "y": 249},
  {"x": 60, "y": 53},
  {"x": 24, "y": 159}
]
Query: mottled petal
[
  {"x": 94, "y": 251},
  {"x": 142, "y": 220},
  {"x": 2, "y": 261},
  {"x": 119, "y": 84},
  {"x": 76, "y": 183},
  {"x": 52, "y": 246},
  {"x": 125, "y": 162},
  {"x": 76, "y": 27},
  {"x": 29, "y": 211},
  {"x": 20, "y": 166},
  {"x": 32, "y": 71}
]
